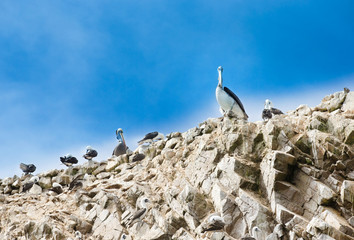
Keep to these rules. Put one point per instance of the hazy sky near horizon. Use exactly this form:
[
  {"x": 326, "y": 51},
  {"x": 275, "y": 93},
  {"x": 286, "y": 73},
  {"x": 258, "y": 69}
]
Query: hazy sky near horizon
[{"x": 72, "y": 72}]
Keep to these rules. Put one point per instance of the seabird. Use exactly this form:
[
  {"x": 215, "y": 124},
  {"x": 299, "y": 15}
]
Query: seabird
[
  {"x": 121, "y": 148},
  {"x": 230, "y": 104},
  {"x": 269, "y": 111},
  {"x": 27, "y": 186},
  {"x": 30, "y": 168},
  {"x": 150, "y": 137},
  {"x": 257, "y": 233},
  {"x": 78, "y": 235},
  {"x": 57, "y": 188},
  {"x": 140, "y": 214},
  {"x": 123, "y": 237},
  {"x": 138, "y": 157},
  {"x": 214, "y": 223},
  {"x": 76, "y": 183},
  {"x": 68, "y": 160},
  {"x": 90, "y": 153}
]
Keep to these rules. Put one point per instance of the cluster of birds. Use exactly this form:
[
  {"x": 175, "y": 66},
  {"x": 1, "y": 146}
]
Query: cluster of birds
[
  {"x": 230, "y": 105},
  {"x": 121, "y": 148}
]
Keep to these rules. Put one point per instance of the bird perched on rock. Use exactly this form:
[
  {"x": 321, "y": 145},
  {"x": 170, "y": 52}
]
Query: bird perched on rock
[
  {"x": 78, "y": 235},
  {"x": 27, "y": 168},
  {"x": 213, "y": 223},
  {"x": 140, "y": 214},
  {"x": 230, "y": 104},
  {"x": 150, "y": 137},
  {"x": 27, "y": 186},
  {"x": 269, "y": 111},
  {"x": 121, "y": 147},
  {"x": 68, "y": 160},
  {"x": 57, "y": 188},
  {"x": 90, "y": 153},
  {"x": 76, "y": 182}
]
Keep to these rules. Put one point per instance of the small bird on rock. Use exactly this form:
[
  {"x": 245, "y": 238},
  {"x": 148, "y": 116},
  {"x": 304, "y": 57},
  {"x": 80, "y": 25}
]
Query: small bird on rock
[
  {"x": 27, "y": 168},
  {"x": 68, "y": 160},
  {"x": 90, "y": 153}
]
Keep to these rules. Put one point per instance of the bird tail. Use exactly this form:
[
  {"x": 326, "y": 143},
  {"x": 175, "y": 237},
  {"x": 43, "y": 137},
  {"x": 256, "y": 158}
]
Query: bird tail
[{"x": 23, "y": 167}]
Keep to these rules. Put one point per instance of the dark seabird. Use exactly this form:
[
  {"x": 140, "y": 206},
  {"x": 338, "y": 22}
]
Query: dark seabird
[
  {"x": 90, "y": 153},
  {"x": 77, "y": 182},
  {"x": 140, "y": 214},
  {"x": 230, "y": 104},
  {"x": 346, "y": 90},
  {"x": 121, "y": 148},
  {"x": 138, "y": 157},
  {"x": 269, "y": 111},
  {"x": 30, "y": 168},
  {"x": 27, "y": 186},
  {"x": 57, "y": 188},
  {"x": 68, "y": 160},
  {"x": 150, "y": 137},
  {"x": 214, "y": 223}
]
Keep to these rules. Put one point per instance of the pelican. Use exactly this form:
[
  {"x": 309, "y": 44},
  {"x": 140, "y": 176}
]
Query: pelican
[
  {"x": 90, "y": 153},
  {"x": 214, "y": 223},
  {"x": 68, "y": 160},
  {"x": 140, "y": 214},
  {"x": 121, "y": 148},
  {"x": 269, "y": 111},
  {"x": 30, "y": 168},
  {"x": 230, "y": 104},
  {"x": 150, "y": 137}
]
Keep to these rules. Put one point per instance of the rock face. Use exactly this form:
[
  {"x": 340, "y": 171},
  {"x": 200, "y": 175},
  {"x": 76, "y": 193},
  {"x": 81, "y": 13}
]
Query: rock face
[{"x": 289, "y": 178}]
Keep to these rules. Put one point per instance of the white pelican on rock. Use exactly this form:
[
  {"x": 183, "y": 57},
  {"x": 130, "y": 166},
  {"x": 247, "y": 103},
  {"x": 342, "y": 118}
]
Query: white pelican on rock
[{"x": 230, "y": 104}]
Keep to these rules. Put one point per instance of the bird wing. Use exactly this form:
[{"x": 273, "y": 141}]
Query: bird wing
[
  {"x": 266, "y": 114},
  {"x": 138, "y": 214},
  {"x": 150, "y": 135},
  {"x": 233, "y": 95},
  {"x": 90, "y": 154},
  {"x": 75, "y": 181},
  {"x": 31, "y": 168},
  {"x": 276, "y": 111},
  {"x": 23, "y": 167},
  {"x": 72, "y": 160},
  {"x": 138, "y": 157},
  {"x": 27, "y": 186}
]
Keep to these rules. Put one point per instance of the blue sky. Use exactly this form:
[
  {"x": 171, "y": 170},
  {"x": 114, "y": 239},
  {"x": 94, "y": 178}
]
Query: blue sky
[{"x": 71, "y": 72}]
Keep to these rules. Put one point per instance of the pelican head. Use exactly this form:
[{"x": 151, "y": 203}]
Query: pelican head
[
  {"x": 268, "y": 104},
  {"x": 220, "y": 70}
]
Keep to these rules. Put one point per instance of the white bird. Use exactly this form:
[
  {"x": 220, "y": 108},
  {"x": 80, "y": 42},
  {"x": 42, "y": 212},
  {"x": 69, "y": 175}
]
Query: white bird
[
  {"x": 257, "y": 233},
  {"x": 78, "y": 235},
  {"x": 140, "y": 214},
  {"x": 214, "y": 223},
  {"x": 268, "y": 111},
  {"x": 57, "y": 188},
  {"x": 230, "y": 104}
]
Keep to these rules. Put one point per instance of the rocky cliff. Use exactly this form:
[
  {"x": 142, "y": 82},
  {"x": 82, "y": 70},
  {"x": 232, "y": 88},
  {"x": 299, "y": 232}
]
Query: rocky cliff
[{"x": 289, "y": 178}]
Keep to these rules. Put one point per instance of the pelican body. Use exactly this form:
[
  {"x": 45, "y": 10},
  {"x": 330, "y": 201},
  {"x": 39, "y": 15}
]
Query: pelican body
[{"x": 230, "y": 104}]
